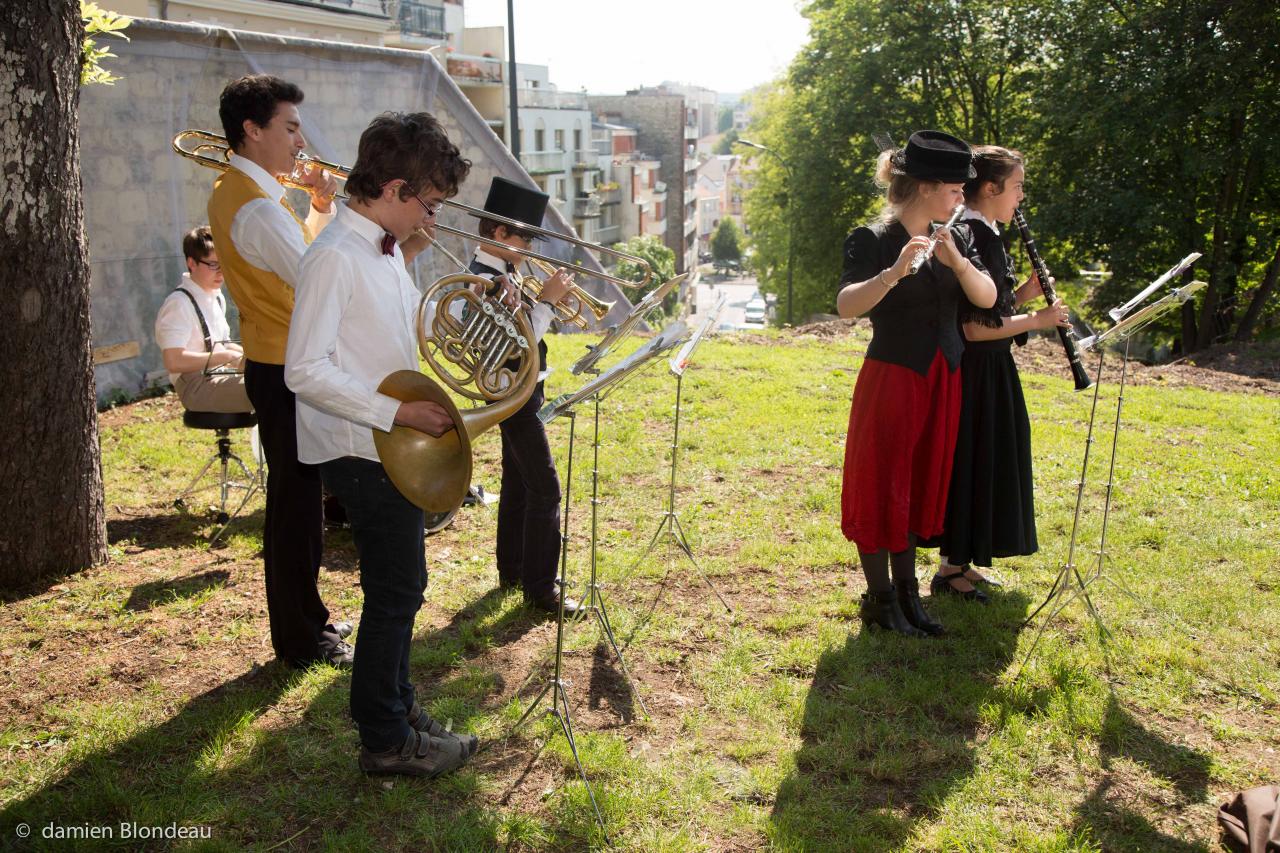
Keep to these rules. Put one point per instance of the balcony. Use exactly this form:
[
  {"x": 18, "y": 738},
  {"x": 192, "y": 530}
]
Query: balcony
[
  {"x": 691, "y": 226},
  {"x": 472, "y": 70},
  {"x": 585, "y": 161},
  {"x": 609, "y": 194},
  {"x": 421, "y": 20},
  {"x": 655, "y": 228},
  {"x": 586, "y": 207},
  {"x": 609, "y": 234},
  {"x": 542, "y": 162},
  {"x": 551, "y": 100}
]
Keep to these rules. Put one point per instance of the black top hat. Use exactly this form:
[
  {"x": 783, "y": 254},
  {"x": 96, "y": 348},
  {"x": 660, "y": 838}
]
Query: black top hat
[
  {"x": 932, "y": 155},
  {"x": 516, "y": 201}
]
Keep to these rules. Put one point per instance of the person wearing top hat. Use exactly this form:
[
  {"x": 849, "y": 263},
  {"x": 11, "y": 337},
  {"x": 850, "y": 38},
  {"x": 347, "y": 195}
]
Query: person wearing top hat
[
  {"x": 528, "y": 546},
  {"x": 906, "y": 403}
]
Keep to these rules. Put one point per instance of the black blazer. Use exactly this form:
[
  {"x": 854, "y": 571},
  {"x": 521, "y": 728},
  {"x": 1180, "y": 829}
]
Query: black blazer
[{"x": 918, "y": 316}]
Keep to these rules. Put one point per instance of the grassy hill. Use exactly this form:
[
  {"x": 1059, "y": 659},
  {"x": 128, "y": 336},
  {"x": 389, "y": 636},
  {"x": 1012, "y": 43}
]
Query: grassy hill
[{"x": 142, "y": 692}]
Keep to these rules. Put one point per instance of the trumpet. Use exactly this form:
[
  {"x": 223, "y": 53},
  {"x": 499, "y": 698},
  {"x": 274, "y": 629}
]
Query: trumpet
[
  {"x": 211, "y": 150},
  {"x": 923, "y": 254},
  {"x": 573, "y": 306}
]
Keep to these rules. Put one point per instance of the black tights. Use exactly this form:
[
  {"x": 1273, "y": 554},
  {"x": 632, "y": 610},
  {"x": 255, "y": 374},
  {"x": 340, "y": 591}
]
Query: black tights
[{"x": 876, "y": 566}]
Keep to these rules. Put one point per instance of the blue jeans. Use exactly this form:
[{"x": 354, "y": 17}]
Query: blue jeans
[{"x": 388, "y": 532}]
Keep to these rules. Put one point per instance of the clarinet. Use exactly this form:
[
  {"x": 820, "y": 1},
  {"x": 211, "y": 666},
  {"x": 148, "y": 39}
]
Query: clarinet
[{"x": 1066, "y": 335}]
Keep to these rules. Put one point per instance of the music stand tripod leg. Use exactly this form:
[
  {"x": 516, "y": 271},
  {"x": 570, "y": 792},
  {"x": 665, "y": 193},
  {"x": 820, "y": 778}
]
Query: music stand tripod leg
[
  {"x": 559, "y": 698},
  {"x": 595, "y": 598}
]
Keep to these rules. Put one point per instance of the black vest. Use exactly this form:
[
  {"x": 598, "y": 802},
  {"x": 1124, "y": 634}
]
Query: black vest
[{"x": 918, "y": 316}]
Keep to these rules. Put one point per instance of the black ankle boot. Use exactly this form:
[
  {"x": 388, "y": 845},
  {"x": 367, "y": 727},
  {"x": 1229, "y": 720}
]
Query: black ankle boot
[
  {"x": 881, "y": 610},
  {"x": 913, "y": 610}
]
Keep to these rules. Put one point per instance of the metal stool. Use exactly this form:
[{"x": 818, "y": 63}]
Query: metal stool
[{"x": 222, "y": 423}]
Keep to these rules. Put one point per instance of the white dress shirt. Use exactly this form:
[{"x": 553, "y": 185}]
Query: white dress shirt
[
  {"x": 177, "y": 326},
  {"x": 353, "y": 323},
  {"x": 264, "y": 233}
]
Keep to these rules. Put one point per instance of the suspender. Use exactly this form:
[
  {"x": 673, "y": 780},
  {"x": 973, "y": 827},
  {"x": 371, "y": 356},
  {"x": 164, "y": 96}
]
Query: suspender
[{"x": 204, "y": 327}]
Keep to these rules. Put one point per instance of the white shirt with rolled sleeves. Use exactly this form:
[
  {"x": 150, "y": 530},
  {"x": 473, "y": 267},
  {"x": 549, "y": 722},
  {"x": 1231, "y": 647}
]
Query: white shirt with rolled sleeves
[
  {"x": 264, "y": 233},
  {"x": 178, "y": 327},
  {"x": 352, "y": 325}
]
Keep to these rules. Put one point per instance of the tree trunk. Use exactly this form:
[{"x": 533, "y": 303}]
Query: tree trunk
[
  {"x": 50, "y": 468},
  {"x": 1260, "y": 296}
]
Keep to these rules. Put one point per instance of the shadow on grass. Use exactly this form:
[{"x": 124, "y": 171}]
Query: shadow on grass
[
  {"x": 889, "y": 725},
  {"x": 170, "y": 528},
  {"x": 147, "y": 595},
  {"x": 263, "y": 773},
  {"x": 1106, "y": 813}
]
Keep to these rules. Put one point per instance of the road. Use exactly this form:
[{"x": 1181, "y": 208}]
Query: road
[{"x": 739, "y": 291}]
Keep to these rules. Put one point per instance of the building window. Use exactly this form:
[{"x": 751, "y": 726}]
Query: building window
[
  {"x": 539, "y": 140},
  {"x": 559, "y": 140},
  {"x": 577, "y": 140}
]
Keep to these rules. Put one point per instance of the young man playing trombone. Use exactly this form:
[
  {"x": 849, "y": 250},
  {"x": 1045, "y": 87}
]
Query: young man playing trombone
[
  {"x": 528, "y": 547},
  {"x": 260, "y": 244},
  {"x": 354, "y": 325}
]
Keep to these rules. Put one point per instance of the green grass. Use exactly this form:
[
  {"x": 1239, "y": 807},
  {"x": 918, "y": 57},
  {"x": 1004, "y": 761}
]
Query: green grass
[{"x": 783, "y": 727}]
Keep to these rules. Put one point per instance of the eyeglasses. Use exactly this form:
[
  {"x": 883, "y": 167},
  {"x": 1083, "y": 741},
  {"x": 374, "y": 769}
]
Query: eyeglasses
[
  {"x": 431, "y": 210},
  {"x": 213, "y": 265}
]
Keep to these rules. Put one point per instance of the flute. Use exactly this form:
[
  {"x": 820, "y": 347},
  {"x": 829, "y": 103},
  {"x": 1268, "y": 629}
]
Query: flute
[
  {"x": 1067, "y": 335},
  {"x": 923, "y": 254}
]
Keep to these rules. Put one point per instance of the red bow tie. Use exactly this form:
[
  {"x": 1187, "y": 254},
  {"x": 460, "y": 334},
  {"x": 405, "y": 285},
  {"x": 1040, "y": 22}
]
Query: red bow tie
[{"x": 388, "y": 244}]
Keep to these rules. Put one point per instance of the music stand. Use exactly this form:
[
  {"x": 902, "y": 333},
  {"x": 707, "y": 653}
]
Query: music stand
[
  {"x": 619, "y": 331},
  {"x": 1070, "y": 584},
  {"x": 596, "y": 389},
  {"x": 670, "y": 521},
  {"x": 564, "y": 406}
]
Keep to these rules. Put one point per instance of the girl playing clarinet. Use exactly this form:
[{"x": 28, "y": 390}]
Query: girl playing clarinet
[
  {"x": 990, "y": 510},
  {"x": 906, "y": 403}
]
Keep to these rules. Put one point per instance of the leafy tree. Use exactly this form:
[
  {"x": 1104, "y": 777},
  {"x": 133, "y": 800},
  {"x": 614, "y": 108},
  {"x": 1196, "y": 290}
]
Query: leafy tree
[
  {"x": 661, "y": 259},
  {"x": 726, "y": 242},
  {"x": 725, "y": 145},
  {"x": 1157, "y": 139},
  {"x": 873, "y": 65},
  {"x": 1146, "y": 125},
  {"x": 725, "y": 121}
]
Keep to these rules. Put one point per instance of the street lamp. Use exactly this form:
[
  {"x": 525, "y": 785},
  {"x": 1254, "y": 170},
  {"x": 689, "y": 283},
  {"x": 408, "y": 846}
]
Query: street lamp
[{"x": 791, "y": 219}]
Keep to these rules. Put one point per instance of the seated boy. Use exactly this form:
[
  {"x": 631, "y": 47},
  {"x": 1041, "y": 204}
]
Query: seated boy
[{"x": 194, "y": 337}]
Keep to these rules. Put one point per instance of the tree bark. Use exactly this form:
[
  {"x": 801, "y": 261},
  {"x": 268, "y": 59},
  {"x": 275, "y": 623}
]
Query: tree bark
[
  {"x": 50, "y": 467},
  {"x": 1250, "y": 319}
]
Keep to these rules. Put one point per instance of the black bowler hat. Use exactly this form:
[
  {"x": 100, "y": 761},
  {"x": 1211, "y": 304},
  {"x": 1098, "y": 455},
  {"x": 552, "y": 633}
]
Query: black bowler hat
[
  {"x": 932, "y": 155},
  {"x": 516, "y": 201}
]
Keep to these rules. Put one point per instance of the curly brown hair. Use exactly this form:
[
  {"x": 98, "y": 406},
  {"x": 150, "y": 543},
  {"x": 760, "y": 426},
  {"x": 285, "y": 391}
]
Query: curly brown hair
[{"x": 411, "y": 147}]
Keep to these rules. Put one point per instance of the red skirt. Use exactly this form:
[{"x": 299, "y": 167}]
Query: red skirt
[{"x": 898, "y": 454}]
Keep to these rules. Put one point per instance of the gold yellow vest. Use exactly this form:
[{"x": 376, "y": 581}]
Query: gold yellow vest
[{"x": 264, "y": 299}]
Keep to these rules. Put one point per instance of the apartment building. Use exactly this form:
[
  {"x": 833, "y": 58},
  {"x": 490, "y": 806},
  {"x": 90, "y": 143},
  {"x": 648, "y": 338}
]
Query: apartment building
[{"x": 667, "y": 129}]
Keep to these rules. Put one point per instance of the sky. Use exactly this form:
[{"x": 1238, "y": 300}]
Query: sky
[{"x": 607, "y": 47}]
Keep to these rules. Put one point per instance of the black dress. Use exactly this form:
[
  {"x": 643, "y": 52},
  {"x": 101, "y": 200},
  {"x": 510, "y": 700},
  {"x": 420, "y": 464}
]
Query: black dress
[{"x": 991, "y": 504}]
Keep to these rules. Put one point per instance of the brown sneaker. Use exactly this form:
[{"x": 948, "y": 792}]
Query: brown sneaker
[
  {"x": 420, "y": 755},
  {"x": 423, "y": 722}
]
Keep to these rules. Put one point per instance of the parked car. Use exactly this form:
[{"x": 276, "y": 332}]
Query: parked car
[{"x": 756, "y": 308}]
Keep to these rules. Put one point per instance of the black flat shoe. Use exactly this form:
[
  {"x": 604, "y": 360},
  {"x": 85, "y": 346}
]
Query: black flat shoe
[
  {"x": 941, "y": 585},
  {"x": 913, "y": 610},
  {"x": 881, "y": 610}
]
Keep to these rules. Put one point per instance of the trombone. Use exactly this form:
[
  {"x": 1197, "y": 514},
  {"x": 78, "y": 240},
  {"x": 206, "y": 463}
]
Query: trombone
[{"x": 211, "y": 150}]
